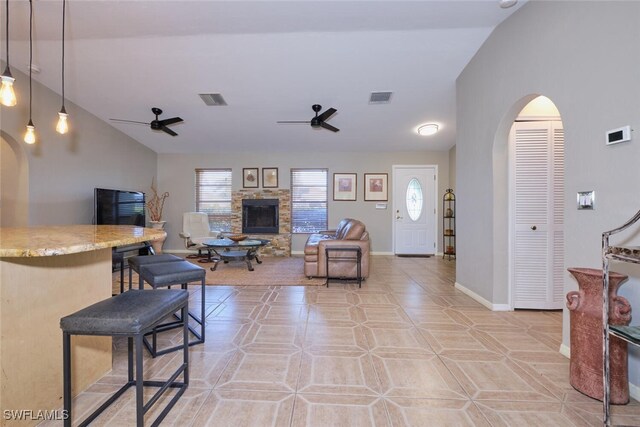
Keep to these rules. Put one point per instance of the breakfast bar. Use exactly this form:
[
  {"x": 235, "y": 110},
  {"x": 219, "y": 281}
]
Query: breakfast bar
[{"x": 46, "y": 273}]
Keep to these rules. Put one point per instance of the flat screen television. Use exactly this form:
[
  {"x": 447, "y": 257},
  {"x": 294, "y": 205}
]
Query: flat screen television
[{"x": 119, "y": 207}]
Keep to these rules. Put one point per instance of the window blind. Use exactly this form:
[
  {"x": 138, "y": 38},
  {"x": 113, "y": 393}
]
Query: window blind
[
  {"x": 309, "y": 200},
  {"x": 213, "y": 197}
]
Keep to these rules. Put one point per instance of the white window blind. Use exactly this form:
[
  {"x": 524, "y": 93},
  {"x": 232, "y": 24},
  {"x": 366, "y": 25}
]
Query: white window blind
[
  {"x": 213, "y": 197},
  {"x": 309, "y": 200}
]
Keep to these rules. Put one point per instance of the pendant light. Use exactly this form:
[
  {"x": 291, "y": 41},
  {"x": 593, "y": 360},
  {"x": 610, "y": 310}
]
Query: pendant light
[
  {"x": 63, "y": 127},
  {"x": 7, "y": 94},
  {"x": 30, "y": 136}
]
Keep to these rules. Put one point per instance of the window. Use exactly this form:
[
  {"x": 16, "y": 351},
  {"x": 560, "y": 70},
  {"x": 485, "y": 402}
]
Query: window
[
  {"x": 309, "y": 200},
  {"x": 213, "y": 197},
  {"x": 414, "y": 199}
]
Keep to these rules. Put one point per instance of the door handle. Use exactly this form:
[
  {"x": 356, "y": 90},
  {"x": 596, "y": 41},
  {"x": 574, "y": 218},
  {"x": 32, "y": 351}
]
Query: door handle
[
  {"x": 398, "y": 217},
  {"x": 534, "y": 228}
]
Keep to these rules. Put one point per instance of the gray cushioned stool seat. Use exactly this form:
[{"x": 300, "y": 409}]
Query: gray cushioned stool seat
[
  {"x": 125, "y": 314},
  {"x": 168, "y": 274},
  {"x": 135, "y": 262},
  {"x": 171, "y": 273},
  {"x": 130, "y": 314}
]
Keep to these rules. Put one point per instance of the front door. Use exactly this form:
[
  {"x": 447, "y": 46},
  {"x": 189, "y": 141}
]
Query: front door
[{"x": 414, "y": 209}]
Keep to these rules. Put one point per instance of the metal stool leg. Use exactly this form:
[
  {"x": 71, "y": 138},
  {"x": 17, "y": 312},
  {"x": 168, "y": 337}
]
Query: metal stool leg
[
  {"x": 66, "y": 362},
  {"x": 139, "y": 382}
]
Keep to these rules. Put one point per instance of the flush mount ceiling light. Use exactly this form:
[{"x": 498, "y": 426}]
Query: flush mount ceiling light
[
  {"x": 428, "y": 129},
  {"x": 505, "y": 4}
]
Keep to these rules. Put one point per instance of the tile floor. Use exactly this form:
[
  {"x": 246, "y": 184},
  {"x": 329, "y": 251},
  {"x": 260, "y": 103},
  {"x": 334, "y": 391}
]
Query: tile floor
[{"x": 405, "y": 350}]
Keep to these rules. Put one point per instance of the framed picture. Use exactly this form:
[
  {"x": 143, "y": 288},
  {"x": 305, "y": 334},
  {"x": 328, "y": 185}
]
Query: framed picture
[
  {"x": 375, "y": 187},
  {"x": 345, "y": 186},
  {"x": 269, "y": 177},
  {"x": 250, "y": 178}
]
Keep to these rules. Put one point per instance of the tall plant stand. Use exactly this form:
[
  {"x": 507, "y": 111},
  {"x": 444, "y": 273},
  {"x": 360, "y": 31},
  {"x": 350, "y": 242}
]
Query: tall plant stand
[{"x": 449, "y": 225}]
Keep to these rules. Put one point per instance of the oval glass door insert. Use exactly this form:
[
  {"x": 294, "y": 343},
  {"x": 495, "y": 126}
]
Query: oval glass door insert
[{"x": 414, "y": 199}]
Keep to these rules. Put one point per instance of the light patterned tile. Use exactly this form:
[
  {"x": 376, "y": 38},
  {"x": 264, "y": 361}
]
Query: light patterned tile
[
  {"x": 490, "y": 376},
  {"x": 337, "y": 410},
  {"x": 379, "y": 317},
  {"x": 346, "y": 373},
  {"x": 236, "y": 311},
  {"x": 509, "y": 413},
  {"x": 322, "y": 337},
  {"x": 341, "y": 315},
  {"x": 434, "y": 412},
  {"x": 396, "y": 338},
  {"x": 245, "y": 409},
  {"x": 269, "y": 370},
  {"x": 416, "y": 375},
  {"x": 267, "y": 335},
  {"x": 376, "y": 299},
  {"x": 443, "y": 340},
  {"x": 287, "y": 313}
]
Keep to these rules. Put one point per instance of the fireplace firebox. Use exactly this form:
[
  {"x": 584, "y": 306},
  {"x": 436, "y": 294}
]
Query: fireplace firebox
[{"x": 260, "y": 216}]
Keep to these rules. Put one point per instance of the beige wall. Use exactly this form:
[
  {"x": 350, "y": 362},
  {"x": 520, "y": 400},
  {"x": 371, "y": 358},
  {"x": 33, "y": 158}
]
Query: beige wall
[
  {"x": 63, "y": 170},
  {"x": 176, "y": 175},
  {"x": 452, "y": 168},
  {"x": 584, "y": 57}
]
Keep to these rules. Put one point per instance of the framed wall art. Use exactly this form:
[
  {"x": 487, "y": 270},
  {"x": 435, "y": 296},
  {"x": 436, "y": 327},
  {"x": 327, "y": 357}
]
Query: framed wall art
[
  {"x": 269, "y": 177},
  {"x": 345, "y": 186},
  {"x": 375, "y": 187},
  {"x": 250, "y": 178}
]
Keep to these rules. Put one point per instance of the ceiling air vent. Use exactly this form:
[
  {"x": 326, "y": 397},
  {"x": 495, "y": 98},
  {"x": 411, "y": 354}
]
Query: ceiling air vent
[
  {"x": 380, "y": 97},
  {"x": 213, "y": 99}
]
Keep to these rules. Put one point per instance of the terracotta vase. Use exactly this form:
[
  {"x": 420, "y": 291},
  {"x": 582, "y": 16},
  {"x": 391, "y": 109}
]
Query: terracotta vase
[{"x": 585, "y": 306}]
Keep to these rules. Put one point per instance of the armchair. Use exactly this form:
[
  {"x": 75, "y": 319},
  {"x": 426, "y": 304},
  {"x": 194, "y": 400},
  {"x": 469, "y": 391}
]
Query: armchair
[
  {"x": 195, "y": 229},
  {"x": 350, "y": 232}
]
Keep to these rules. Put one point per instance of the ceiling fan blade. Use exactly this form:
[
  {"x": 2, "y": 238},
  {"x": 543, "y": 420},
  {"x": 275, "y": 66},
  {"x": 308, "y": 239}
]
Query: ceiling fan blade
[
  {"x": 167, "y": 130},
  {"x": 129, "y": 121},
  {"x": 293, "y": 121},
  {"x": 328, "y": 126},
  {"x": 170, "y": 121},
  {"x": 324, "y": 116}
]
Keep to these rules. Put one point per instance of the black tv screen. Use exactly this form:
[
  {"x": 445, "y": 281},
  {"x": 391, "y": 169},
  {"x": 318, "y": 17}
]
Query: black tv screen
[{"x": 119, "y": 207}]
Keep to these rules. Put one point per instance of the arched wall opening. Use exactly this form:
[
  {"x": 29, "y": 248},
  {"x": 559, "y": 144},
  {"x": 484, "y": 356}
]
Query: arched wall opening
[
  {"x": 14, "y": 183},
  {"x": 501, "y": 195}
]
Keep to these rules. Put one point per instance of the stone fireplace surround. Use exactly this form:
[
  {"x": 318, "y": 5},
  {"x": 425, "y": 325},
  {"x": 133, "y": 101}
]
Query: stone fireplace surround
[{"x": 280, "y": 244}]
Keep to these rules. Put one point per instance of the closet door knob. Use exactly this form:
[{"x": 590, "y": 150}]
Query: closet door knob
[{"x": 534, "y": 228}]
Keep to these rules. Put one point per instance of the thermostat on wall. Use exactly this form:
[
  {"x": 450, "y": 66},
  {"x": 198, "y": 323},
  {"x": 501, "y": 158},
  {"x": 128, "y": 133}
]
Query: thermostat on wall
[{"x": 615, "y": 136}]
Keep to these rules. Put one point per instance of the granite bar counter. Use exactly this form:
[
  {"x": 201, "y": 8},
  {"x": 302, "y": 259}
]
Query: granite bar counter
[{"x": 46, "y": 273}]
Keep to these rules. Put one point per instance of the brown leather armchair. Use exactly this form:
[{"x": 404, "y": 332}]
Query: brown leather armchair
[{"x": 350, "y": 232}]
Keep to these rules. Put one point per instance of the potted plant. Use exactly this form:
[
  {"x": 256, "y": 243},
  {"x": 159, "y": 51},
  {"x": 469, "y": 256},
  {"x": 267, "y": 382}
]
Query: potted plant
[{"x": 155, "y": 204}]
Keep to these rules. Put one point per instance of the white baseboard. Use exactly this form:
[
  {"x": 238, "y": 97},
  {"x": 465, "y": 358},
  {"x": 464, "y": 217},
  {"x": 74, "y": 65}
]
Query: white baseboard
[
  {"x": 634, "y": 391},
  {"x": 481, "y": 300},
  {"x": 565, "y": 350}
]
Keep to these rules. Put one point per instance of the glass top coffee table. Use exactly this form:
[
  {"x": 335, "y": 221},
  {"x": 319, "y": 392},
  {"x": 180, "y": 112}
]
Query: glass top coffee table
[{"x": 228, "y": 250}]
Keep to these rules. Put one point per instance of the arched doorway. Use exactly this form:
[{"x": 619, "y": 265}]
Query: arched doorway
[
  {"x": 528, "y": 160},
  {"x": 14, "y": 183}
]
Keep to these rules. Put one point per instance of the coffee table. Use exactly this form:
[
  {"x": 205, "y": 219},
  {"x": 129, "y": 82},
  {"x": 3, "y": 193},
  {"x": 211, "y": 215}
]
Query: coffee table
[{"x": 228, "y": 250}]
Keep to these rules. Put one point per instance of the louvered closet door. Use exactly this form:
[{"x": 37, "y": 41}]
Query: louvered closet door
[{"x": 537, "y": 214}]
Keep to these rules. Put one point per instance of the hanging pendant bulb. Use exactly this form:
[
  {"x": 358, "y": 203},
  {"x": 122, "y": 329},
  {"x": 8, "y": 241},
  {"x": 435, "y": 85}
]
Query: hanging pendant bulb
[
  {"x": 62, "y": 127},
  {"x": 7, "y": 93},
  {"x": 30, "y": 135}
]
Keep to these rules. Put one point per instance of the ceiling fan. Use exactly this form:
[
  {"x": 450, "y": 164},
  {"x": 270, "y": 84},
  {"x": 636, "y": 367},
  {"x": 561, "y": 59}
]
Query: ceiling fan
[
  {"x": 156, "y": 124},
  {"x": 319, "y": 120}
]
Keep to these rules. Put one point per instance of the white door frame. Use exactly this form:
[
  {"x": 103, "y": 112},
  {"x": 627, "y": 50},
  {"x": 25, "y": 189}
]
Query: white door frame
[{"x": 394, "y": 169}]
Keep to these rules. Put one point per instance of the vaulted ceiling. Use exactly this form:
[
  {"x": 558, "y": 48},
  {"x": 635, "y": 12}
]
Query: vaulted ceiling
[{"x": 271, "y": 60}]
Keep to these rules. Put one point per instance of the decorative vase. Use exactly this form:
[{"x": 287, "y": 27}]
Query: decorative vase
[
  {"x": 585, "y": 306},
  {"x": 158, "y": 243}
]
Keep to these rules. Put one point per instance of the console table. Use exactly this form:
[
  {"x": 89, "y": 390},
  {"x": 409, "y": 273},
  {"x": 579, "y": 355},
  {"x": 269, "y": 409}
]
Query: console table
[
  {"x": 46, "y": 273},
  {"x": 342, "y": 253}
]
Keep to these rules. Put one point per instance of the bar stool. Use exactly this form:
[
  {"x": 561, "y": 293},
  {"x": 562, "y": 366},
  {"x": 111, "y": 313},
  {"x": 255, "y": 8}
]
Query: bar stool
[
  {"x": 131, "y": 314},
  {"x": 168, "y": 274},
  {"x": 135, "y": 262}
]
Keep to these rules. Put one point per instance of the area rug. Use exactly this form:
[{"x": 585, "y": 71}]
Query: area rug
[{"x": 274, "y": 271}]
